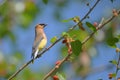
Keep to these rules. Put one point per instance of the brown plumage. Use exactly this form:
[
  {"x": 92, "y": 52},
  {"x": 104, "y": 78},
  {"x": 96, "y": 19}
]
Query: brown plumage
[{"x": 39, "y": 41}]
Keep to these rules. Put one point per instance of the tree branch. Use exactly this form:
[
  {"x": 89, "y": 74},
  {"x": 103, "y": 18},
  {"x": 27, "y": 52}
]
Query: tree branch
[
  {"x": 117, "y": 66},
  {"x": 84, "y": 41},
  {"x": 26, "y": 64},
  {"x": 90, "y": 10},
  {"x": 55, "y": 68}
]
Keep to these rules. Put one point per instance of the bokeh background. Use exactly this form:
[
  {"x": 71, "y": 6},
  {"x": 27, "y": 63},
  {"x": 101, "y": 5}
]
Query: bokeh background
[{"x": 17, "y": 22}]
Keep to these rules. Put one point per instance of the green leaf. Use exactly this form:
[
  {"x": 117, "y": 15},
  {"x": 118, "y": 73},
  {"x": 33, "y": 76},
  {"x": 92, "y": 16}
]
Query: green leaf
[
  {"x": 67, "y": 20},
  {"x": 113, "y": 62},
  {"x": 76, "y": 19},
  {"x": 91, "y": 26},
  {"x": 76, "y": 47},
  {"x": 118, "y": 36},
  {"x": 112, "y": 41},
  {"x": 61, "y": 76},
  {"x": 78, "y": 34},
  {"x": 115, "y": 40},
  {"x": 65, "y": 34},
  {"x": 113, "y": 75},
  {"x": 18, "y": 55},
  {"x": 27, "y": 73},
  {"x": 64, "y": 51},
  {"x": 45, "y": 1},
  {"x": 53, "y": 39},
  {"x": 12, "y": 36}
]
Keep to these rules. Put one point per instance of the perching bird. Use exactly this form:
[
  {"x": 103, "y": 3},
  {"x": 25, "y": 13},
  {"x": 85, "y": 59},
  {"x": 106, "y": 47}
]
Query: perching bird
[{"x": 39, "y": 41}]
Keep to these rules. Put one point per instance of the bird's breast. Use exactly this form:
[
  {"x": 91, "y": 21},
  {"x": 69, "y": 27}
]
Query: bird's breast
[{"x": 42, "y": 44}]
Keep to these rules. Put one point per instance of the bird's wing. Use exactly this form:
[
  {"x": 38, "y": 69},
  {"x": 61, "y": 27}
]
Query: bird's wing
[{"x": 36, "y": 44}]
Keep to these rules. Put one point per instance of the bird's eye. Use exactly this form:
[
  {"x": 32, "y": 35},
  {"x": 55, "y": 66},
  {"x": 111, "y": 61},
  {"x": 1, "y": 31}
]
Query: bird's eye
[{"x": 43, "y": 24}]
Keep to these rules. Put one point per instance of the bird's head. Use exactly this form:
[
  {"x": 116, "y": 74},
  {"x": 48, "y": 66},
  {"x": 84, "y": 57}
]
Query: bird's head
[
  {"x": 43, "y": 25},
  {"x": 40, "y": 26}
]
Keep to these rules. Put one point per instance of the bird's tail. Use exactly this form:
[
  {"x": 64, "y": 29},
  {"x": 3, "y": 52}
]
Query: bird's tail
[{"x": 35, "y": 55}]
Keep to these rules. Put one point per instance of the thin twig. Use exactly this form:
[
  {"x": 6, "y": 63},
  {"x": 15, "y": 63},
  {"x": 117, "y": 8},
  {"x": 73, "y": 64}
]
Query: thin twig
[
  {"x": 26, "y": 64},
  {"x": 90, "y": 10},
  {"x": 55, "y": 68},
  {"x": 99, "y": 27},
  {"x": 49, "y": 47},
  {"x": 84, "y": 41},
  {"x": 117, "y": 66}
]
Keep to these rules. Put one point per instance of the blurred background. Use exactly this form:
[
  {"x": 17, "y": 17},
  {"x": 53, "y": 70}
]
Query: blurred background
[{"x": 17, "y": 22}]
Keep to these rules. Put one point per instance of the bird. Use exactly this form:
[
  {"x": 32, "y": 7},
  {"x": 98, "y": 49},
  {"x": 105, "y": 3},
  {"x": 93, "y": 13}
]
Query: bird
[{"x": 40, "y": 40}]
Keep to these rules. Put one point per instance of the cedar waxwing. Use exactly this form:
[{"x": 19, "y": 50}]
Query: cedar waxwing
[{"x": 39, "y": 41}]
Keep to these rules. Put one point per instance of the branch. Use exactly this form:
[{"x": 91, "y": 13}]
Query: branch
[
  {"x": 117, "y": 66},
  {"x": 100, "y": 26},
  {"x": 26, "y": 64},
  {"x": 83, "y": 42},
  {"x": 55, "y": 68},
  {"x": 90, "y": 10}
]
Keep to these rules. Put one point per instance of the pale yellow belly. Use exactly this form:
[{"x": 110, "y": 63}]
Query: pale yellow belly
[{"x": 42, "y": 44}]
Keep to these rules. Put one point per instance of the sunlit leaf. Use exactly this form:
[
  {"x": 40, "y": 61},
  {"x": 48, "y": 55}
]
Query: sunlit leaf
[
  {"x": 76, "y": 47},
  {"x": 78, "y": 34},
  {"x": 113, "y": 75},
  {"x": 53, "y": 39},
  {"x": 76, "y": 19},
  {"x": 113, "y": 62},
  {"x": 65, "y": 34},
  {"x": 91, "y": 26},
  {"x": 45, "y": 1},
  {"x": 67, "y": 20}
]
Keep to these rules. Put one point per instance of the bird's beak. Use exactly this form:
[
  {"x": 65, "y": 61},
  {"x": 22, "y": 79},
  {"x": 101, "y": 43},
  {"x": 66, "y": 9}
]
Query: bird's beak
[{"x": 45, "y": 25}]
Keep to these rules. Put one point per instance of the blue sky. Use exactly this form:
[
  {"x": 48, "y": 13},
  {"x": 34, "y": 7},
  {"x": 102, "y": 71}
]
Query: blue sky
[{"x": 55, "y": 28}]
